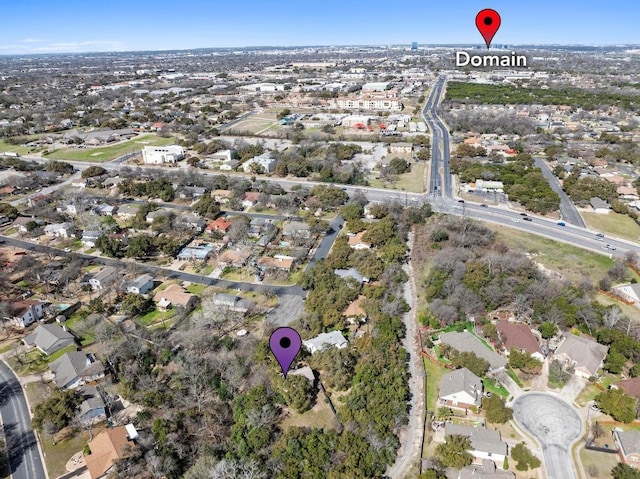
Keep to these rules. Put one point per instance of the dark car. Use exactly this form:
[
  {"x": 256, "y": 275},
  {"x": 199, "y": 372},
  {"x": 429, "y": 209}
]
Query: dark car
[
  {"x": 523, "y": 214},
  {"x": 484, "y": 205},
  {"x": 600, "y": 235},
  {"x": 460, "y": 201},
  {"x": 526, "y": 218}
]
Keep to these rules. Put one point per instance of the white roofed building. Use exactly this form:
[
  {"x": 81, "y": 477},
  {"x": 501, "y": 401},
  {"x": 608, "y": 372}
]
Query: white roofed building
[{"x": 159, "y": 155}]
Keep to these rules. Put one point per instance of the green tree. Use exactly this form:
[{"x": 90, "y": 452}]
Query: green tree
[
  {"x": 624, "y": 471},
  {"x": 495, "y": 409},
  {"x": 617, "y": 404},
  {"x": 297, "y": 392},
  {"x": 548, "y": 330},
  {"x": 455, "y": 451},
  {"x": 524, "y": 458},
  {"x": 137, "y": 304},
  {"x": 94, "y": 170},
  {"x": 140, "y": 246},
  {"x": 8, "y": 210},
  {"x": 351, "y": 211},
  {"x": 473, "y": 363},
  {"x": 57, "y": 411}
]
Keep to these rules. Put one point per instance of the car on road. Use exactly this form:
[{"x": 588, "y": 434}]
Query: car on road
[
  {"x": 594, "y": 407},
  {"x": 526, "y": 218},
  {"x": 561, "y": 223},
  {"x": 484, "y": 205},
  {"x": 523, "y": 214},
  {"x": 610, "y": 246},
  {"x": 600, "y": 235},
  {"x": 515, "y": 220},
  {"x": 460, "y": 201},
  {"x": 599, "y": 238}
]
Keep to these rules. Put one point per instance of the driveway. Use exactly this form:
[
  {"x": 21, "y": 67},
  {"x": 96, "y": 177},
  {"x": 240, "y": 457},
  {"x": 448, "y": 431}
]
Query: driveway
[
  {"x": 556, "y": 425},
  {"x": 290, "y": 307}
]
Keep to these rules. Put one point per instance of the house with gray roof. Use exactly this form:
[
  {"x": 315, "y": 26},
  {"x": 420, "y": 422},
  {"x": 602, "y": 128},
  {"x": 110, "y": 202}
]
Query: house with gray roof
[
  {"x": 141, "y": 285},
  {"x": 49, "y": 338},
  {"x": 92, "y": 408},
  {"x": 75, "y": 369},
  {"x": 320, "y": 342},
  {"x": 582, "y": 353},
  {"x": 103, "y": 278},
  {"x": 628, "y": 445},
  {"x": 296, "y": 229},
  {"x": 485, "y": 443},
  {"x": 460, "y": 389},
  {"x": 476, "y": 471},
  {"x": 233, "y": 303},
  {"x": 351, "y": 273},
  {"x": 599, "y": 205},
  {"x": 465, "y": 341}
]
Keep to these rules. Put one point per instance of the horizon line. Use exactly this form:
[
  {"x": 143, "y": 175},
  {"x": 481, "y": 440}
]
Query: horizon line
[{"x": 379, "y": 45}]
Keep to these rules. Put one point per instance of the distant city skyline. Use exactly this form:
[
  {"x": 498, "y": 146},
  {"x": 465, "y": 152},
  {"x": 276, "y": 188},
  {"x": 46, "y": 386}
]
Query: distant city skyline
[{"x": 73, "y": 26}]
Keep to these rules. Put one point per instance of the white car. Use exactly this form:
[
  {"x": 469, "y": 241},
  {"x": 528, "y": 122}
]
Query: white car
[{"x": 515, "y": 220}]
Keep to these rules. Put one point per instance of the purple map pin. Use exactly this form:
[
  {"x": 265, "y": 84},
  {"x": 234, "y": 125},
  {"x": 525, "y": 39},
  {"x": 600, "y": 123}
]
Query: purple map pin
[{"x": 285, "y": 344}]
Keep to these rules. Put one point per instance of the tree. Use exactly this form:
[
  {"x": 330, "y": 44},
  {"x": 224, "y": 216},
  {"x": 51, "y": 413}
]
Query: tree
[
  {"x": 473, "y": 363},
  {"x": 455, "y": 451},
  {"x": 495, "y": 409},
  {"x": 297, "y": 392},
  {"x": 624, "y": 471},
  {"x": 525, "y": 459},
  {"x": 524, "y": 362},
  {"x": 58, "y": 411},
  {"x": 617, "y": 404},
  {"x": 137, "y": 304},
  {"x": 94, "y": 170},
  {"x": 548, "y": 330}
]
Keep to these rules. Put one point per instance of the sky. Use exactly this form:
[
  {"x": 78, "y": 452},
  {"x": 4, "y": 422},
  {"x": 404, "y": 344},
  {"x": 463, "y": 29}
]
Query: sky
[{"x": 59, "y": 26}]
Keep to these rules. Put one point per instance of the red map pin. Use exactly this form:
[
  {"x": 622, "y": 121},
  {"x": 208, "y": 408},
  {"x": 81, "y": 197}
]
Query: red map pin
[{"x": 488, "y": 23}]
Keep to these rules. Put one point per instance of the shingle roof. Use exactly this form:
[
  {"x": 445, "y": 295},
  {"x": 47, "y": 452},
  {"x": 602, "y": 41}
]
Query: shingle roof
[
  {"x": 461, "y": 380},
  {"x": 483, "y": 440},
  {"x": 585, "y": 352},
  {"x": 73, "y": 365},
  {"x": 630, "y": 441},
  {"x": 465, "y": 341},
  {"x": 48, "y": 335},
  {"x": 630, "y": 386},
  {"x": 518, "y": 336}
]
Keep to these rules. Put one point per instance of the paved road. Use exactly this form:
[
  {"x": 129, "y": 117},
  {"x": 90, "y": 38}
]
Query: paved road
[
  {"x": 440, "y": 178},
  {"x": 25, "y": 461},
  {"x": 556, "y": 425},
  {"x": 568, "y": 210}
]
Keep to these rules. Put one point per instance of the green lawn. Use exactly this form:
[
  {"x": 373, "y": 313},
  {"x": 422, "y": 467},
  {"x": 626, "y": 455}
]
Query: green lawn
[
  {"x": 61, "y": 352},
  {"x": 6, "y": 347},
  {"x": 412, "y": 182},
  {"x": 21, "y": 150},
  {"x": 628, "y": 310},
  {"x": 32, "y": 363},
  {"x": 56, "y": 456},
  {"x": 155, "y": 317},
  {"x": 196, "y": 289},
  {"x": 434, "y": 375},
  {"x": 571, "y": 262},
  {"x": 614, "y": 224},
  {"x": 490, "y": 386},
  {"x": 587, "y": 394},
  {"x": 107, "y": 153},
  {"x": 602, "y": 461}
]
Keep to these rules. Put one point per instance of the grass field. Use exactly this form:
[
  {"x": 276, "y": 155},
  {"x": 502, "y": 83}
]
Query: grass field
[
  {"x": 630, "y": 311},
  {"x": 434, "y": 375},
  {"x": 572, "y": 262},
  {"x": 601, "y": 462},
  {"x": 614, "y": 224},
  {"x": 21, "y": 150},
  {"x": 57, "y": 455},
  {"x": 412, "y": 182},
  {"x": 107, "y": 153}
]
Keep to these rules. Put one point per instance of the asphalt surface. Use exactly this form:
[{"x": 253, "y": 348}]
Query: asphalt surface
[
  {"x": 568, "y": 210},
  {"x": 25, "y": 461},
  {"x": 556, "y": 425},
  {"x": 439, "y": 181}
]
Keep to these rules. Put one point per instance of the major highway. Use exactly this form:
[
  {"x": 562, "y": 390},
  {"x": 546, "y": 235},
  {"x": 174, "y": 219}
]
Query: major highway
[
  {"x": 25, "y": 461},
  {"x": 440, "y": 177}
]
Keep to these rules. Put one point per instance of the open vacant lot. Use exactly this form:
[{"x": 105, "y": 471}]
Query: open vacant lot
[
  {"x": 106, "y": 153},
  {"x": 613, "y": 224}
]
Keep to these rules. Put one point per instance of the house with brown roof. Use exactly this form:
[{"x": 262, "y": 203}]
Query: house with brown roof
[
  {"x": 222, "y": 196},
  {"x": 354, "y": 312},
  {"x": 356, "y": 242},
  {"x": 628, "y": 445},
  {"x": 519, "y": 336},
  {"x": 629, "y": 386},
  {"x": 276, "y": 263},
  {"x": 221, "y": 225},
  {"x": 250, "y": 198},
  {"x": 106, "y": 448},
  {"x": 235, "y": 258},
  {"x": 173, "y": 296}
]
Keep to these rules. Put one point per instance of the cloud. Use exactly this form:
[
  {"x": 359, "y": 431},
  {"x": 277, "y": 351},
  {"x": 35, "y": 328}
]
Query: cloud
[{"x": 32, "y": 40}]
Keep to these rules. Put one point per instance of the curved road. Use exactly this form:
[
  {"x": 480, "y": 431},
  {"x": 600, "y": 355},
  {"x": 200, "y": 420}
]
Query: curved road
[
  {"x": 25, "y": 461},
  {"x": 555, "y": 425}
]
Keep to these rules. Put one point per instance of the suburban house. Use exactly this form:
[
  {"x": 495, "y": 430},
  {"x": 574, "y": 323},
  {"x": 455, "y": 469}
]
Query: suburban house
[
  {"x": 460, "y": 389},
  {"x": 173, "y": 296},
  {"x": 127, "y": 211},
  {"x": 193, "y": 221},
  {"x": 582, "y": 353},
  {"x": 141, "y": 285},
  {"x": 158, "y": 155},
  {"x": 195, "y": 252},
  {"x": 262, "y": 163},
  {"x": 600, "y": 206},
  {"x": 222, "y": 196},
  {"x": 485, "y": 471},
  {"x": 106, "y": 448},
  {"x": 233, "y": 303},
  {"x": 519, "y": 336},
  {"x": 229, "y": 165},
  {"x": 277, "y": 263},
  {"x": 491, "y": 186},
  {"x": 355, "y": 313},
  {"x": 105, "y": 210},
  {"x": 296, "y": 229},
  {"x": 465, "y": 341},
  {"x": 630, "y": 292},
  {"x": 220, "y": 156},
  {"x": 628, "y": 445},
  {"x": 89, "y": 238},
  {"x": 305, "y": 372},
  {"x": 356, "y": 242},
  {"x": 75, "y": 369},
  {"x": 103, "y": 278},
  {"x": 92, "y": 408},
  {"x": 351, "y": 273},
  {"x": 24, "y": 313},
  {"x": 220, "y": 225},
  {"x": 320, "y": 342},
  {"x": 485, "y": 443},
  {"x": 235, "y": 258},
  {"x": 59, "y": 230},
  {"x": 49, "y": 338},
  {"x": 629, "y": 386},
  {"x": 250, "y": 198}
]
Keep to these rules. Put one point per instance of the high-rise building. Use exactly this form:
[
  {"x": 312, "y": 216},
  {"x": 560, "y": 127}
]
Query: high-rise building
[{"x": 414, "y": 46}]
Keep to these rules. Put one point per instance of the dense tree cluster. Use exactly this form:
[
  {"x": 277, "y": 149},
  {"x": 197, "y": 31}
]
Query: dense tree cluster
[
  {"x": 57, "y": 411},
  {"x": 524, "y": 362},
  {"x": 522, "y": 181},
  {"x": 617, "y": 404},
  {"x": 524, "y": 458},
  {"x": 154, "y": 188},
  {"x": 495, "y": 409},
  {"x": 93, "y": 170}
]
